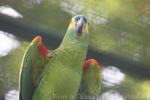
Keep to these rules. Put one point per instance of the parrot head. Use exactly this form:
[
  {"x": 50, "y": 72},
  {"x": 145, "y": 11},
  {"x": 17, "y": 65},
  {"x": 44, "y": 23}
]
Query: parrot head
[
  {"x": 77, "y": 32},
  {"x": 42, "y": 49},
  {"x": 79, "y": 24},
  {"x": 91, "y": 62}
]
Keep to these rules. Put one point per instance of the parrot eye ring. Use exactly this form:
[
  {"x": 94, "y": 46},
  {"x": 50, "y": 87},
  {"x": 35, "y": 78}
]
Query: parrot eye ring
[
  {"x": 78, "y": 18},
  {"x": 85, "y": 20}
]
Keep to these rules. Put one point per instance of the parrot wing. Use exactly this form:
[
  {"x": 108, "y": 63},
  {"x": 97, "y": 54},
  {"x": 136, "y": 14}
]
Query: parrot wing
[
  {"x": 34, "y": 60},
  {"x": 91, "y": 80}
]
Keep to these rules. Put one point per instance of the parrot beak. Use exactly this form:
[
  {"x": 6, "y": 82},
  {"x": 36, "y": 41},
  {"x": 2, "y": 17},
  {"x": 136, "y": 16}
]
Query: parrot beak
[{"x": 81, "y": 26}]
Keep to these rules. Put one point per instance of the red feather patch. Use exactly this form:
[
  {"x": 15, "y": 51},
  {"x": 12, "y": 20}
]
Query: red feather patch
[
  {"x": 86, "y": 64},
  {"x": 89, "y": 62},
  {"x": 43, "y": 50}
]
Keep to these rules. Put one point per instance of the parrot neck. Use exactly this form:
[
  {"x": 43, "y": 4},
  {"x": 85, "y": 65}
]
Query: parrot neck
[
  {"x": 71, "y": 38},
  {"x": 73, "y": 51}
]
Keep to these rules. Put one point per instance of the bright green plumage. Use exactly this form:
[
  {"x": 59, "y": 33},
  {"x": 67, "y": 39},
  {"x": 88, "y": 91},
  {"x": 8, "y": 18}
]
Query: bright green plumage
[
  {"x": 32, "y": 65},
  {"x": 62, "y": 76},
  {"x": 55, "y": 74},
  {"x": 91, "y": 80}
]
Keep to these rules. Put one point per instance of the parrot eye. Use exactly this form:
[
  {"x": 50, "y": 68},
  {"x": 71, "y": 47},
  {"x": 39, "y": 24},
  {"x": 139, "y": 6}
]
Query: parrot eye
[
  {"x": 78, "y": 18},
  {"x": 85, "y": 20}
]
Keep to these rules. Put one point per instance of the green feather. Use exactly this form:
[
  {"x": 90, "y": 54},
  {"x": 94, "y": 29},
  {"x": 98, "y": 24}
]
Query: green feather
[
  {"x": 91, "y": 83},
  {"x": 32, "y": 65}
]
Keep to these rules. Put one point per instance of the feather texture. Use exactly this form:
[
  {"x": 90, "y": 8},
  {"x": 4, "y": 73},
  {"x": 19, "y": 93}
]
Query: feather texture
[
  {"x": 32, "y": 65},
  {"x": 62, "y": 76}
]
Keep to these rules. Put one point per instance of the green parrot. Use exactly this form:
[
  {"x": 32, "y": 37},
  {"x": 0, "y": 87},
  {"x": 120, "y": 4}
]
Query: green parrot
[
  {"x": 61, "y": 78},
  {"x": 34, "y": 60},
  {"x": 91, "y": 80},
  {"x": 58, "y": 72}
]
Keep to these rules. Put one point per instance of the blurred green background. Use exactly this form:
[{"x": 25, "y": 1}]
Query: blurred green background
[{"x": 119, "y": 28}]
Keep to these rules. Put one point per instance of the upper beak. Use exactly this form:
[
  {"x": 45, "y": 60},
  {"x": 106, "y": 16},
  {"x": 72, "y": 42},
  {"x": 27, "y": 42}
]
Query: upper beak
[{"x": 80, "y": 26}]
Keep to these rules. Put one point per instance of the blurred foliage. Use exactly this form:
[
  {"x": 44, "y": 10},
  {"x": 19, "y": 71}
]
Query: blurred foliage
[
  {"x": 135, "y": 88},
  {"x": 15, "y": 59},
  {"x": 45, "y": 14},
  {"x": 10, "y": 71},
  {"x": 1, "y": 89},
  {"x": 122, "y": 27},
  {"x": 116, "y": 25}
]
